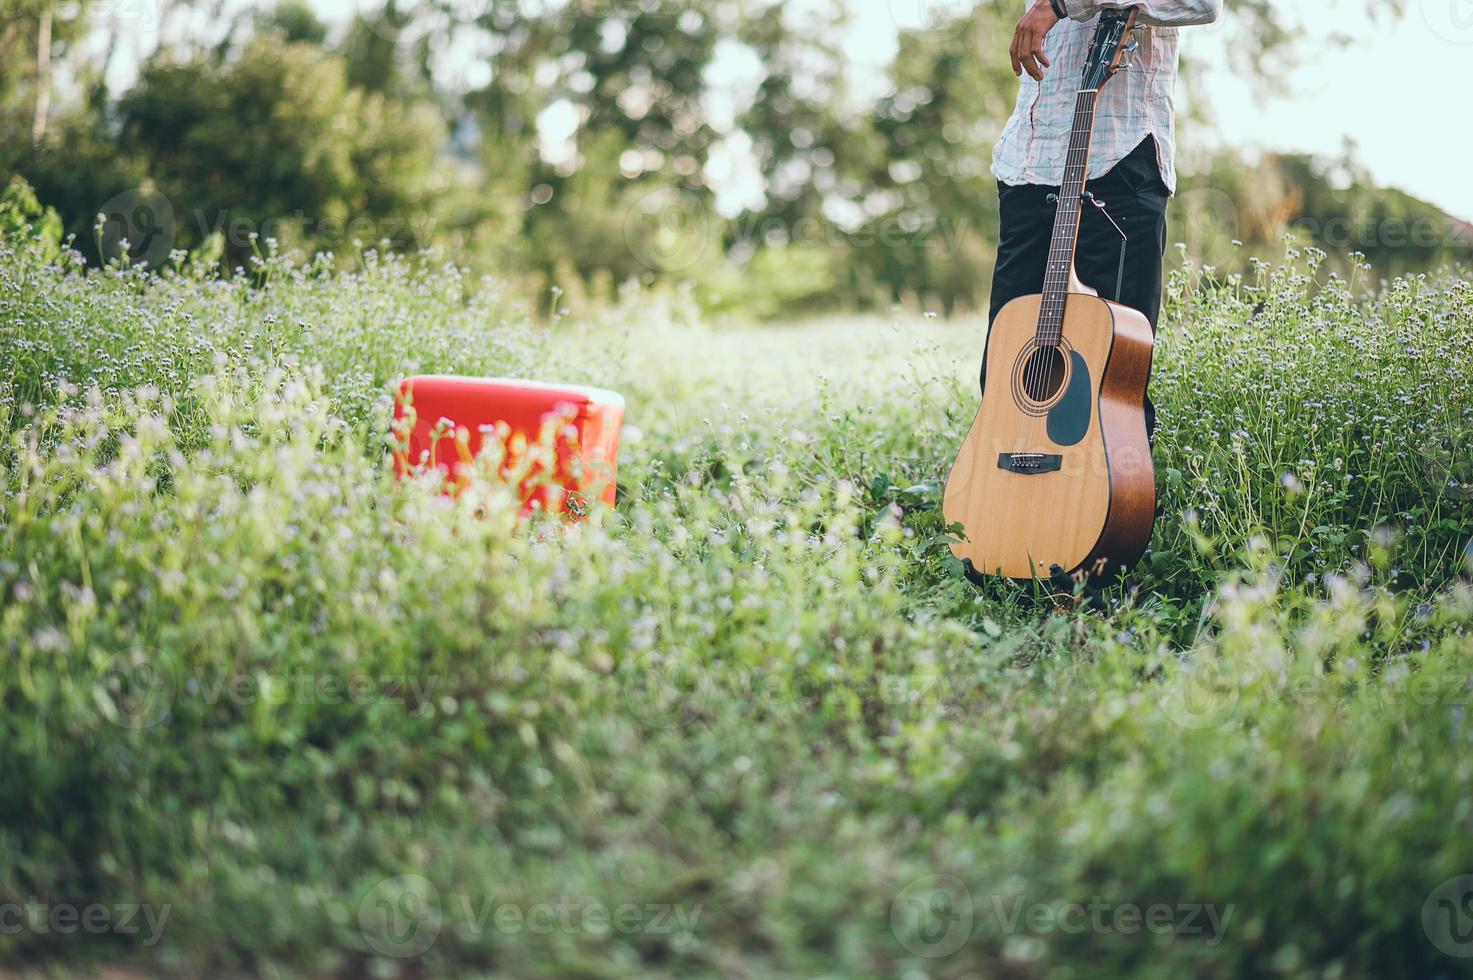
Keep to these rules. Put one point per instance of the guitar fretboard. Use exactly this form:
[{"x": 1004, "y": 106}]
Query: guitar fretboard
[{"x": 1066, "y": 223}]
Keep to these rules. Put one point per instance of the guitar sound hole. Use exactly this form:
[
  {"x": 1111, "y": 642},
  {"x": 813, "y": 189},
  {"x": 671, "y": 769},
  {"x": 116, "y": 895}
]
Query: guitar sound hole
[{"x": 1043, "y": 374}]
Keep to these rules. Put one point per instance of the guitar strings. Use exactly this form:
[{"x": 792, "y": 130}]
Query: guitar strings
[{"x": 1038, "y": 370}]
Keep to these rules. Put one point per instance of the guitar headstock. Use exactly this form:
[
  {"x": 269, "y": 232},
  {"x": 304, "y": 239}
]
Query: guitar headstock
[{"x": 1109, "y": 44}]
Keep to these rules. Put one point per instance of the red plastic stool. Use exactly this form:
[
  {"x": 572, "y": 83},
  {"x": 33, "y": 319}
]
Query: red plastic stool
[{"x": 452, "y": 418}]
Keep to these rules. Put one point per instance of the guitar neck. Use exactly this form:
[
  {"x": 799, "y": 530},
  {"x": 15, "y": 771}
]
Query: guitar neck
[
  {"x": 1100, "y": 62},
  {"x": 1065, "y": 240}
]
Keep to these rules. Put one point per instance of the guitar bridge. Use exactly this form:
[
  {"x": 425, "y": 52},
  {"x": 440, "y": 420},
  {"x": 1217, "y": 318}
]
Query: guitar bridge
[{"x": 1030, "y": 463}]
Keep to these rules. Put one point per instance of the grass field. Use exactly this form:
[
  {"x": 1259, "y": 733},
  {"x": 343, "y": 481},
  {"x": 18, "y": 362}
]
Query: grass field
[{"x": 268, "y": 710}]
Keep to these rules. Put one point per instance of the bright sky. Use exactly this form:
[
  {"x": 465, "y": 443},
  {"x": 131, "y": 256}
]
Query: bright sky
[{"x": 1397, "y": 90}]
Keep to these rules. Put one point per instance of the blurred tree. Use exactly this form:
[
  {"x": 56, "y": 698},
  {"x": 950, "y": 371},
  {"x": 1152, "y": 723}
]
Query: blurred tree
[
  {"x": 937, "y": 128},
  {"x": 372, "y": 51},
  {"x": 598, "y": 109},
  {"x": 1231, "y": 211},
  {"x": 296, "y": 22},
  {"x": 816, "y": 150},
  {"x": 34, "y": 36},
  {"x": 577, "y": 142},
  {"x": 278, "y": 144}
]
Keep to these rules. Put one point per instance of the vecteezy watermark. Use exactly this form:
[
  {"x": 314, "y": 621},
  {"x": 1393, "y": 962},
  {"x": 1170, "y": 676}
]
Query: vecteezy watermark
[
  {"x": 141, "y": 226},
  {"x": 668, "y": 230},
  {"x": 136, "y": 226},
  {"x": 1447, "y": 917},
  {"x": 934, "y": 916},
  {"x": 1448, "y": 459},
  {"x": 1451, "y": 20},
  {"x": 37, "y": 918},
  {"x": 408, "y": 20},
  {"x": 402, "y": 917},
  {"x": 1206, "y": 921},
  {"x": 669, "y": 693},
  {"x": 130, "y": 14},
  {"x": 931, "y": 15},
  {"x": 1209, "y": 691},
  {"x": 135, "y": 692},
  {"x": 1203, "y": 215},
  {"x": 1205, "y": 692},
  {"x": 1207, "y": 215},
  {"x": 944, "y": 235},
  {"x": 239, "y": 231},
  {"x": 1394, "y": 233}
]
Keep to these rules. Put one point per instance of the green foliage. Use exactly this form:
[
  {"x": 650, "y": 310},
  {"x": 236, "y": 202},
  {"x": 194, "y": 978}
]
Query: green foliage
[
  {"x": 777, "y": 280},
  {"x": 296, "y": 22},
  {"x": 1230, "y": 213},
  {"x": 23, "y": 218},
  {"x": 77, "y": 171},
  {"x": 273, "y": 145},
  {"x": 1342, "y": 425},
  {"x": 916, "y": 168},
  {"x": 330, "y": 722}
]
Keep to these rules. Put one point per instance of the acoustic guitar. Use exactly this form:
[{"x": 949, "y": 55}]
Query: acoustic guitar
[{"x": 1055, "y": 477}]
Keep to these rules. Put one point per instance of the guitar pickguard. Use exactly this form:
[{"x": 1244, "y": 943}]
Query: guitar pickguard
[{"x": 1068, "y": 421}]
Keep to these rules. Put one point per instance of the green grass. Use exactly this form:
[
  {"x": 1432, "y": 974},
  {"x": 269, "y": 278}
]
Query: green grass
[{"x": 751, "y": 722}]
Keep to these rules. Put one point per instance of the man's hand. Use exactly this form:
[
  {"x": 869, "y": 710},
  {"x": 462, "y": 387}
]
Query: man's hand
[{"x": 1027, "y": 49}]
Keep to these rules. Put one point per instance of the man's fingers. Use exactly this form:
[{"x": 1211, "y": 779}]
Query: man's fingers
[
  {"x": 1036, "y": 63},
  {"x": 1026, "y": 52},
  {"x": 1027, "y": 47},
  {"x": 1022, "y": 48},
  {"x": 1034, "y": 60}
]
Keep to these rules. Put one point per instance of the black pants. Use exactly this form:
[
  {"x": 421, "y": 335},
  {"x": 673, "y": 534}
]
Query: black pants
[{"x": 1134, "y": 195}]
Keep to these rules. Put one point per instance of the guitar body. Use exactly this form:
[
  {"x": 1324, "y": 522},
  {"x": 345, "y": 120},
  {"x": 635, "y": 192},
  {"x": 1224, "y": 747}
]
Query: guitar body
[{"x": 1056, "y": 470}]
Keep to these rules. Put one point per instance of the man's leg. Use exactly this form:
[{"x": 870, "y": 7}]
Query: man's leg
[
  {"x": 1136, "y": 197},
  {"x": 1025, "y": 230}
]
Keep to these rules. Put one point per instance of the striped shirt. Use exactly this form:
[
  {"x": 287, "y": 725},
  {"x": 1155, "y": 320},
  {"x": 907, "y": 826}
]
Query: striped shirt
[{"x": 1135, "y": 104}]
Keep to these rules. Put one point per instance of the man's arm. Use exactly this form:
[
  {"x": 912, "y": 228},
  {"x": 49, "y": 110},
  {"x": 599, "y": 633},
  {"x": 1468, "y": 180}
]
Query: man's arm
[
  {"x": 1027, "y": 48},
  {"x": 1154, "y": 13}
]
